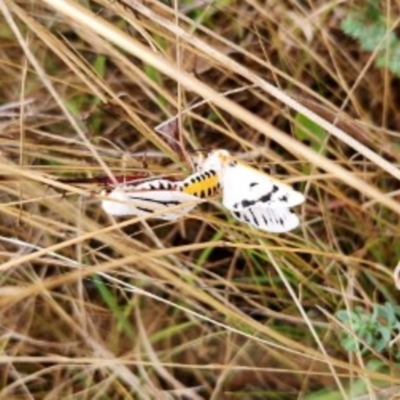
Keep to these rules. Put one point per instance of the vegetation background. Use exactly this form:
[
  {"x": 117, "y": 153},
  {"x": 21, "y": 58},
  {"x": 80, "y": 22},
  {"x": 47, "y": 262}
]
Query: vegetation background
[{"x": 204, "y": 308}]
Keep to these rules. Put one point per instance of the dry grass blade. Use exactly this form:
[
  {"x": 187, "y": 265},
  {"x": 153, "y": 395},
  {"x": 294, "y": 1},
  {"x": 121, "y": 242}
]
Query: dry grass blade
[
  {"x": 203, "y": 307},
  {"x": 170, "y": 131}
]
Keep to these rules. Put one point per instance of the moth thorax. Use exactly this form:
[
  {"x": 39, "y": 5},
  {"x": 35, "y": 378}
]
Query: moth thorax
[{"x": 212, "y": 162}]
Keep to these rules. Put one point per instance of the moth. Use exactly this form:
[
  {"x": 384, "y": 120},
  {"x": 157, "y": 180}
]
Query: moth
[{"x": 251, "y": 196}]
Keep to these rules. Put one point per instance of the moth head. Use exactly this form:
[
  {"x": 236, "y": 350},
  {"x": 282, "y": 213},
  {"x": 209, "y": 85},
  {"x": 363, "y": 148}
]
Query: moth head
[
  {"x": 198, "y": 162},
  {"x": 215, "y": 160}
]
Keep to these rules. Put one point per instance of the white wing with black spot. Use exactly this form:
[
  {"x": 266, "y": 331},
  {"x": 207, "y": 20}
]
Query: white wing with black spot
[{"x": 245, "y": 187}]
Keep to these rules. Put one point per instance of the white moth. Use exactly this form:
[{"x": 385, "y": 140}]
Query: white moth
[{"x": 252, "y": 196}]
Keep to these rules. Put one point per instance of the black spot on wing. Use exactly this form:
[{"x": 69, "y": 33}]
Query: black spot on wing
[
  {"x": 255, "y": 220},
  {"x": 241, "y": 216},
  {"x": 244, "y": 203},
  {"x": 155, "y": 201},
  {"x": 267, "y": 197},
  {"x": 145, "y": 210},
  {"x": 163, "y": 185},
  {"x": 262, "y": 199}
]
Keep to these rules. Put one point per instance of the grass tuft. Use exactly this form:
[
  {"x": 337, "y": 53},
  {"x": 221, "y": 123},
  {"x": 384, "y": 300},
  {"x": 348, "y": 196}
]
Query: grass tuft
[{"x": 205, "y": 307}]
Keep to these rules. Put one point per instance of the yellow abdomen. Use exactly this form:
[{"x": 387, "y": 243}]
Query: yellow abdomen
[{"x": 202, "y": 184}]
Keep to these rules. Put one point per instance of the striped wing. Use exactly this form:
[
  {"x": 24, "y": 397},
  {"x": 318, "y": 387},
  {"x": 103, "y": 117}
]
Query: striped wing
[
  {"x": 274, "y": 220},
  {"x": 147, "y": 198}
]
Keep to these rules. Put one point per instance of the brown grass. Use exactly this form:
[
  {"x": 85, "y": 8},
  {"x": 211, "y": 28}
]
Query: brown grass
[{"x": 205, "y": 308}]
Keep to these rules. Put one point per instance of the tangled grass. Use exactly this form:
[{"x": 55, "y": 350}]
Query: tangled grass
[{"x": 204, "y": 308}]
